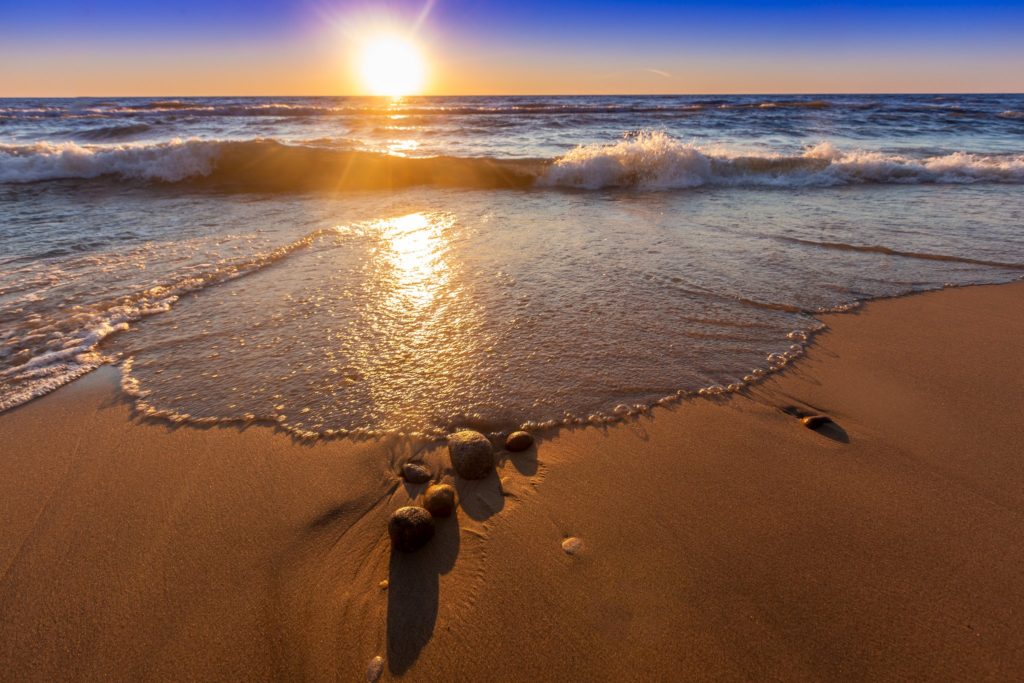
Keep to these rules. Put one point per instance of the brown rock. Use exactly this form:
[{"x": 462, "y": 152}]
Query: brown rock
[
  {"x": 471, "y": 454},
  {"x": 440, "y": 500},
  {"x": 518, "y": 441},
  {"x": 374, "y": 669},
  {"x": 415, "y": 474},
  {"x": 816, "y": 421},
  {"x": 410, "y": 528}
]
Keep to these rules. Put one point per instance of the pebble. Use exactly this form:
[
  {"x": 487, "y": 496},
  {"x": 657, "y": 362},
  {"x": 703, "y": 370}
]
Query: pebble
[
  {"x": 572, "y": 545},
  {"x": 410, "y": 528},
  {"x": 518, "y": 441},
  {"x": 816, "y": 421},
  {"x": 471, "y": 453},
  {"x": 383, "y": 585},
  {"x": 415, "y": 474},
  {"x": 440, "y": 500},
  {"x": 374, "y": 669}
]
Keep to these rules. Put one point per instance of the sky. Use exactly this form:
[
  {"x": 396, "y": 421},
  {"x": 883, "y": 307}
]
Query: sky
[{"x": 105, "y": 48}]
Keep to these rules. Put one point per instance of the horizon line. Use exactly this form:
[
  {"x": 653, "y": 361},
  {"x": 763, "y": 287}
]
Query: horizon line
[{"x": 576, "y": 94}]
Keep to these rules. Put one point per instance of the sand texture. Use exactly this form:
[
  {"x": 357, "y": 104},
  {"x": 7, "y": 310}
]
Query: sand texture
[{"x": 719, "y": 539}]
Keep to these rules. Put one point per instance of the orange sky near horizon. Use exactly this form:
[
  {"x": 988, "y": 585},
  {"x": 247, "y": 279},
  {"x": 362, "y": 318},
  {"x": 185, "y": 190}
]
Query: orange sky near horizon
[
  {"x": 245, "y": 71},
  {"x": 313, "y": 55}
]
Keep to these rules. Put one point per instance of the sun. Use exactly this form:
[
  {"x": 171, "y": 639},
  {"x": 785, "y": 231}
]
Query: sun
[{"x": 391, "y": 66}]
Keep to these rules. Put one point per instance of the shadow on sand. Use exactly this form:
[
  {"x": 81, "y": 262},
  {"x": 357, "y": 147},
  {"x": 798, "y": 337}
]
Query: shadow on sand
[
  {"x": 413, "y": 580},
  {"x": 830, "y": 429}
]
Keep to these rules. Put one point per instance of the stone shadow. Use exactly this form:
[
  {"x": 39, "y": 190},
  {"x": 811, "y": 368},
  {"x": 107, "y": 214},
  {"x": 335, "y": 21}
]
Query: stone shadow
[{"x": 413, "y": 593}]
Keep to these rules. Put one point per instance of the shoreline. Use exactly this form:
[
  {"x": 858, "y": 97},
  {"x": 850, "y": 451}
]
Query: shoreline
[
  {"x": 169, "y": 417},
  {"x": 728, "y": 541}
]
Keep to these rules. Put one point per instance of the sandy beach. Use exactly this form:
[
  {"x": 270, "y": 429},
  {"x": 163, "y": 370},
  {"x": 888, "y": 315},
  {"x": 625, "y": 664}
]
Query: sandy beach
[{"x": 717, "y": 539}]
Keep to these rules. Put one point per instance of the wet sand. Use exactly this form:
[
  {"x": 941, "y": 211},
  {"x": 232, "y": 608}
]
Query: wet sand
[{"x": 718, "y": 539}]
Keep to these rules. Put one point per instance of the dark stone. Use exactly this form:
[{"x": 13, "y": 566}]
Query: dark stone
[
  {"x": 518, "y": 441},
  {"x": 415, "y": 474},
  {"x": 816, "y": 421},
  {"x": 440, "y": 500},
  {"x": 471, "y": 454},
  {"x": 410, "y": 528}
]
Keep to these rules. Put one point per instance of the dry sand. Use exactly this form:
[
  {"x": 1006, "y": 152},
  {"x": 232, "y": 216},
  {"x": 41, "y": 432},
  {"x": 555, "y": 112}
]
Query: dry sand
[{"x": 718, "y": 539}]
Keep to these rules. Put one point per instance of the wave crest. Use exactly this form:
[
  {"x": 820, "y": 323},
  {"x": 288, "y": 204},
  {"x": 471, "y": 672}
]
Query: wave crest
[
  {"x": 167, "y": 161},
  {"x": 643, "y": 160},
  {"x": 657, "y": 161}
]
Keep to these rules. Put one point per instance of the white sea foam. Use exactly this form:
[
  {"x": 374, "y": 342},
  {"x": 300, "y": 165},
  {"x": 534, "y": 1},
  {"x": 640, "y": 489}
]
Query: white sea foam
[
  {"x": 167, "y": 161},
  {"x": 657, "y": 161},
  {"x": 69, "y": 354}
]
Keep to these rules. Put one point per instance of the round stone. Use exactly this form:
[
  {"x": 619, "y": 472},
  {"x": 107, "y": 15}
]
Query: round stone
[
  {"x": 374, "y": 669},
  {"x": 816, "y": 421},
  {"x": 572, "y": 545},
  {"x": 471, "y": 454},
  {"x": 440, "y": 500},
  {"x": 415, "y": 473},
  {"x": 518, "y": 441},
  {"x": 410, "y": 528}
]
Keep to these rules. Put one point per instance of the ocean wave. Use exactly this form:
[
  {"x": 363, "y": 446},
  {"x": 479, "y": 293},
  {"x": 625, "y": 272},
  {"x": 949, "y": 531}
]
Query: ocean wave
[
  {"x": 789, "y": 104},
  {"x": 641, "y": 160},
  {"x": 169, "y": 162},
  {"x": 373, "y": 108},
  {"x": 255, "y": 165},
  {"x": 654, "y": 160},
  {"x": 104, "y": 133}
]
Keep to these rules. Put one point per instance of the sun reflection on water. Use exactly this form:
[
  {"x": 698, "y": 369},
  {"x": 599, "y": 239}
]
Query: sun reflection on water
[
  {"x": 428, "y": 333},
  {"x": 414, "y": 247}
]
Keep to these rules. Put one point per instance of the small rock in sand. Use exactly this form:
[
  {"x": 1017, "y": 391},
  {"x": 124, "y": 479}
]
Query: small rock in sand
[
  {"x": 410, "y": 528},
  {"x": 816, "y": 421},
  {"x": 383, "y": 585},
  {"x": 471, "y": 454},
  {"x": 375, "y": 669},
  {"x": 518, "y": 441},
  {"x": 572, "y": 545},
  {"x": 415, "y": 474},
  {"x": 440, "y": 500}
]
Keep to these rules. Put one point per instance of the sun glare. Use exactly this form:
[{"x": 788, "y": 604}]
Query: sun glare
[{"x": 391, "y": 66}]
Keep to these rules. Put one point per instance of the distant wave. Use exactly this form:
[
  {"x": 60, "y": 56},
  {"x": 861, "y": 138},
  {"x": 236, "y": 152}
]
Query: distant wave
[
  {"x": 359, "y": 107},
  {"x": 104, "y": 133},
  {"x": 371, "y": 108},
  {"x": 793, "y": 104},
  {"x": 644, "y": 160}
]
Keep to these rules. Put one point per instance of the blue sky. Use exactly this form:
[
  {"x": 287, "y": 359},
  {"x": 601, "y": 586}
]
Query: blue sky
[{"x": 112, "y": 47}]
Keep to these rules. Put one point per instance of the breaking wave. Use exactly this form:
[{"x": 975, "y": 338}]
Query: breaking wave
[
  {"x": 255, "y": 165},
  {"x": 658, "y": 161},
  {"x": 644, "y": 160}
]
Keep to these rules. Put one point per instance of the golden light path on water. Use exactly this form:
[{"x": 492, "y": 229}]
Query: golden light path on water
[
  {"x": 426, "y": 333},
  {"x": 415, "y": 247}
]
